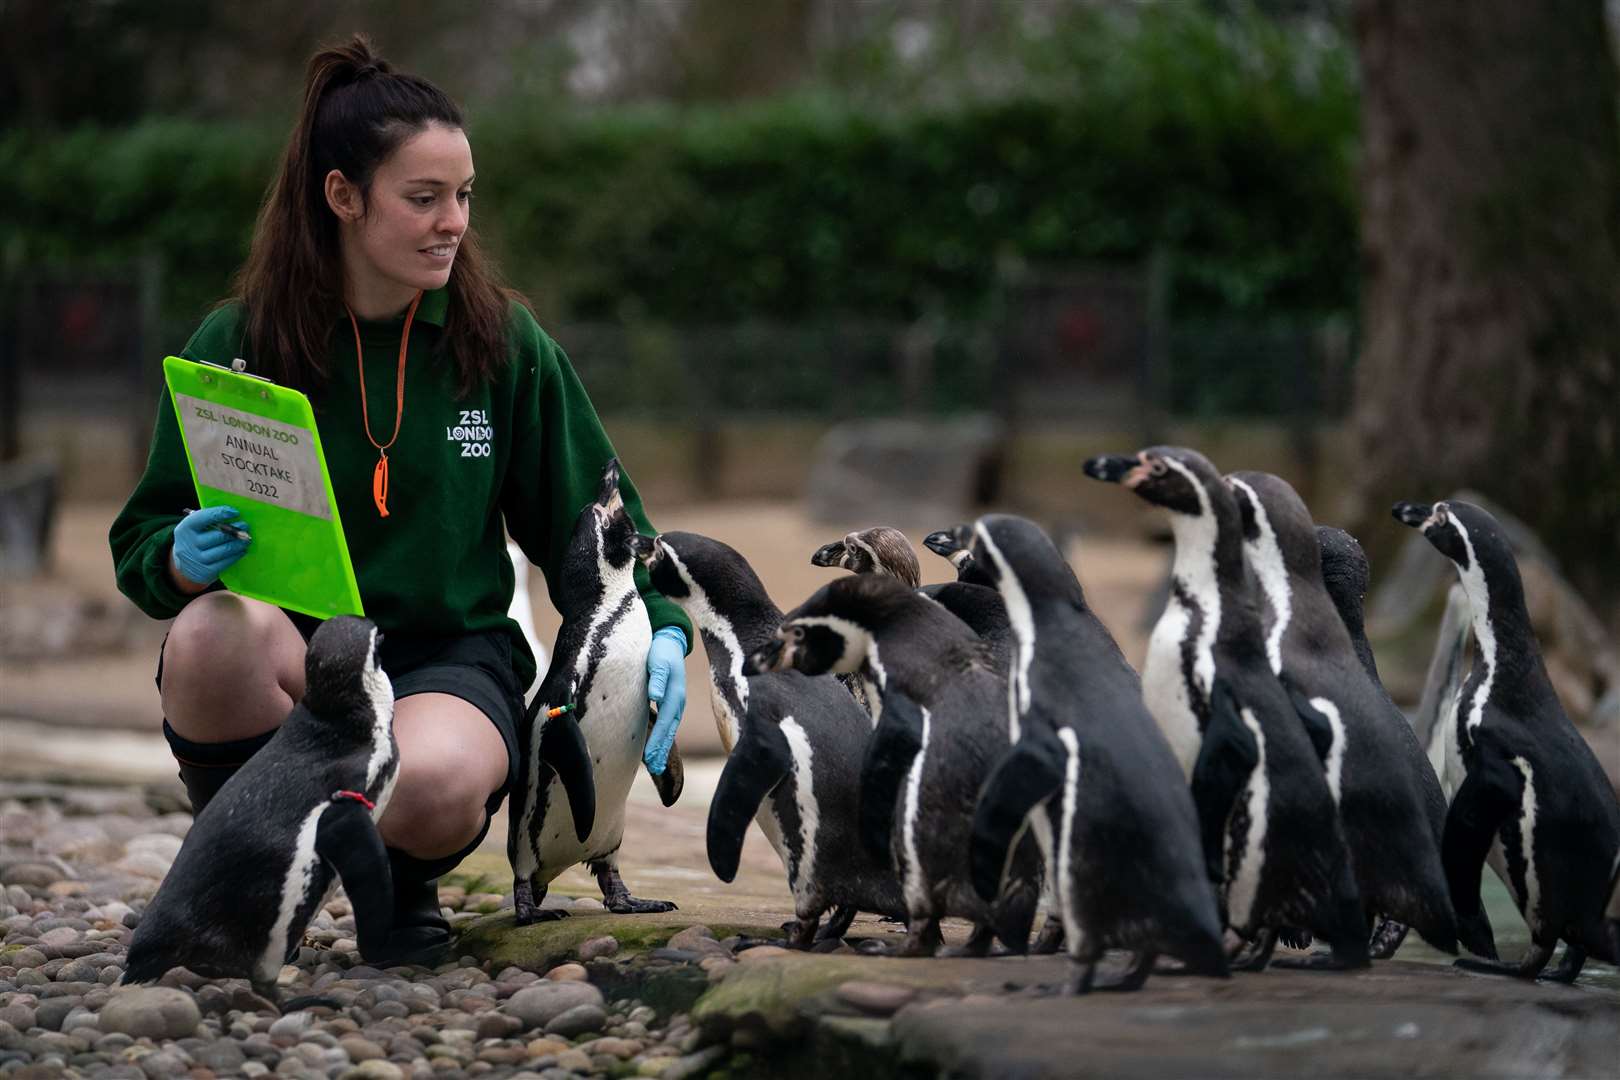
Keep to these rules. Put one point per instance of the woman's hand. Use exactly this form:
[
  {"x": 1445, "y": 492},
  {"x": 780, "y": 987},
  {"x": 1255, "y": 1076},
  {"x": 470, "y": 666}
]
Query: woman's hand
[
  {"x": 204, "y": 549},
  {"x": 666, "y": 688}
]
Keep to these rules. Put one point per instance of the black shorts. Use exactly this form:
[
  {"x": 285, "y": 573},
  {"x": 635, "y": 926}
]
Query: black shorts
[{"x": 477, "y": 668}]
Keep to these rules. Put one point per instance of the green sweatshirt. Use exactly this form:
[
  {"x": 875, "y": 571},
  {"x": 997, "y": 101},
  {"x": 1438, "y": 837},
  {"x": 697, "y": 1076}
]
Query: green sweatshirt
[{"x": 525, "y": 450}]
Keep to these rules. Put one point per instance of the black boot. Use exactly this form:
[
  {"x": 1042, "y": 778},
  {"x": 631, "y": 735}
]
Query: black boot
[
  {"x": 205, "y": 767},
  {"x": 420, "y": 934}
]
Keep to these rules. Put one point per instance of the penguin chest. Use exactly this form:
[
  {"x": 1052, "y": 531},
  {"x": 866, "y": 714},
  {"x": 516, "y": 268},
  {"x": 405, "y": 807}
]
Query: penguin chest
[
  {"x": 1169, "y": 680},
  {"x": 614, "y": 718}
]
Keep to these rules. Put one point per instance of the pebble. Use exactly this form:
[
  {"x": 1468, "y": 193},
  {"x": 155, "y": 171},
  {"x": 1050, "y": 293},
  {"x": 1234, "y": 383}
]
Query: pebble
[
  {"x": 877, "y": 998},
  {"x": 568, "y": 973},
  {"x": 595, "y": 947},
  {"x": 699, "y": 940},
  {"x": 577, "y": 1021},
  {"x": 67, "y": 911},
  {"x": 156, "y": 1012},
  {"x": 542, "y": 1003}
]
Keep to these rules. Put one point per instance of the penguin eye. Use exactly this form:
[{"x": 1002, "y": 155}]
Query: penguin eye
[
  {"x": 1157, "y": 468},
  {"x": 797, "y": 633}
]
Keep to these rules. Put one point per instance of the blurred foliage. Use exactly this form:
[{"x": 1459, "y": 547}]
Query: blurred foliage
[{"x": 1224, "y": 139}]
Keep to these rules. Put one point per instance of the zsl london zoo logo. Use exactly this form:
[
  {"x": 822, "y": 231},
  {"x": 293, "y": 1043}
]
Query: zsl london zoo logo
[{"x": 472, "y": 431}]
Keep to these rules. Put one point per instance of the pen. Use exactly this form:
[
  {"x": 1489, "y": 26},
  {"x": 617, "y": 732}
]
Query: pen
[{"x": 229, "y": 530}]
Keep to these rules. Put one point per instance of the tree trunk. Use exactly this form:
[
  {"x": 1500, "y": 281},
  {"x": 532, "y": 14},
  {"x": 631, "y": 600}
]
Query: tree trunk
[{"x": 1491, "y": 279}]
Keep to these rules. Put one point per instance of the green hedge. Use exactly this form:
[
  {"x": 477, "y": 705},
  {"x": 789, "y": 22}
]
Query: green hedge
[{"x": 1229, "y": 144}]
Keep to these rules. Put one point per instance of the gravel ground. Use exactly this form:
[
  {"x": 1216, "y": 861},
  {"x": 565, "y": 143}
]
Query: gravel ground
[{"x": 78, "y": 865}]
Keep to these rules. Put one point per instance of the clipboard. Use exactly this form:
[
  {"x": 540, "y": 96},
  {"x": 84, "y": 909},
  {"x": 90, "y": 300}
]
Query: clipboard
[{"x": 253, "y": 445}]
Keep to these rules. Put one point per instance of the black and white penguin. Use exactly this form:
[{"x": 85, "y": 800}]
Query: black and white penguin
[
  {"x": 1121, "y": 838},
  {"x": 795, "y": 744},
  {"x": 268, "y": 851},
  {"x": 1389, "y": 798},
  {"x": 582, "y": 739},
  {"x": 881, "y": 550},
  {"x": 941, "y": 728},
  {"x": 1346, "y": 574},
  {"x": 1270, "y": 828},
  {"x": 1535, "y": 802}
]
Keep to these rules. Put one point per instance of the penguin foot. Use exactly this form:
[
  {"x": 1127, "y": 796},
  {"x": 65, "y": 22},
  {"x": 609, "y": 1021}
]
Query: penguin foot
[
  {"x": 1386, "y": 938},
  {"x": 1568, "y": 968},
  {"x": 630, "y": 905},
  {"x": 826, "y": 945},
  {"x": 1050, "y": 939},
  {"x": 1530, "y": 967},
  {"x": 1294, "y": 937},
  {"x": 1255, "y": 955},
  {"x": 1084, "y": 980},
  {"x": 616, "y": 895}
]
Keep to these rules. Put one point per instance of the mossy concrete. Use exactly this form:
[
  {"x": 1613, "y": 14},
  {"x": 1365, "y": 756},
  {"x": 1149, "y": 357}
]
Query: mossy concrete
[
  {"x": 1000, "y": 1018},
  {"x": 498, "y": 939}
]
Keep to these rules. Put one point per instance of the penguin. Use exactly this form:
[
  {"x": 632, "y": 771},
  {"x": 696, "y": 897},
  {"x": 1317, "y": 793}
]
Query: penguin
[
  {"x": 1389, "y": 799},
  {"x": 795, "y": 745},
  {"x": 941, "y": 727},
  {"x": 1534, "y": 802},
  {"x": 582, "y": 737},
  {"x": 882, "y": 550},
  {"x": 1271, "y": 832},
  {"x": 1121, "y": 838},
  {"x": 1346, "y": 575},
  {"x": 268, "y": 851}
]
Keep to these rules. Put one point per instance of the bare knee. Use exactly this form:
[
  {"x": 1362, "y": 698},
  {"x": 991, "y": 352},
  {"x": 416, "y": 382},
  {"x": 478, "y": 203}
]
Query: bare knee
[
  {"x": 435, "y": 810},
  {"x": 451, "y": 759},
  {"x": 232, "y": 668}
]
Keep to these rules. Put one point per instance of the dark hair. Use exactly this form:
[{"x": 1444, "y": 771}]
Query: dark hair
[{"x": 357, "y": 111}]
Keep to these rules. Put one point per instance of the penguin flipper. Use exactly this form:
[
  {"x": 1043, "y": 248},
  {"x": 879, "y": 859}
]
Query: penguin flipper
[
  {"x": 1316, "y": 725},
  {"x": 347, "y": 838},
  {"x": 1226, "y": 759},
  {"x": 757, "y": 764},
  {"x": 562, "y": 746},
  {"x": 1486, "y": 797},
  {"x": 1028, "y": 774},
  {"x": 895, "y": 744}
]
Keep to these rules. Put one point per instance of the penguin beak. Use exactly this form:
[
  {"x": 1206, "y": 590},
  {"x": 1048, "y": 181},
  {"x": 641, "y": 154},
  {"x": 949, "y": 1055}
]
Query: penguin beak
[
  {"x": 770, "y": 657},
  {"x": 1110, "y": 468},
  {"x": 828, "y": 554},
  {"x": 607, "y": 491},
  {"x": 1412, "y": 514},
  {"x": 942, "y": 543}
]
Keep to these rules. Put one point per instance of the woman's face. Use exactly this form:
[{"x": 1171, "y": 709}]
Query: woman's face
[{"x": 414, "y": 218}]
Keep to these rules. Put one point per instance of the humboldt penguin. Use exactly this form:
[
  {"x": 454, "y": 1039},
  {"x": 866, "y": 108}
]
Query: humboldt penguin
[
  {"x": 582, "y": 738},
  {"x": 795, "y": 744},
  {"x": 1121, "y": 840},
  {"x": 269, "y": 849},
  {"x": 881, "y": 550},
  {"x": 1271, "y": 832},
  {"x": 941, "y": 728},
  {"x": 1346, "y": 575},
  {"x": 1389, "y": 798},
  {"x": 1535, "y": 802}
]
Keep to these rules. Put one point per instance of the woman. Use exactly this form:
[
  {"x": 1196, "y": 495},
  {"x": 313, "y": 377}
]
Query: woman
[{"x": 448, "y": 418}]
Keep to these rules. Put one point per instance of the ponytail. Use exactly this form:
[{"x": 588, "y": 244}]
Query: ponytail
[{"x": 356, "y": 112}]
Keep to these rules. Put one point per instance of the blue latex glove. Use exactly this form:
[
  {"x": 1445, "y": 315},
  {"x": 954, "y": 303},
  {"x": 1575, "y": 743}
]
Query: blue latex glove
[
  {"x": 202, "y": 551},
  {"x": 666, "y": 687}
]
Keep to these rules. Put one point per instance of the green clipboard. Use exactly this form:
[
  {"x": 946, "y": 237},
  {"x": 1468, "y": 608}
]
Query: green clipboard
[{"x": 253, "y": 445}]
